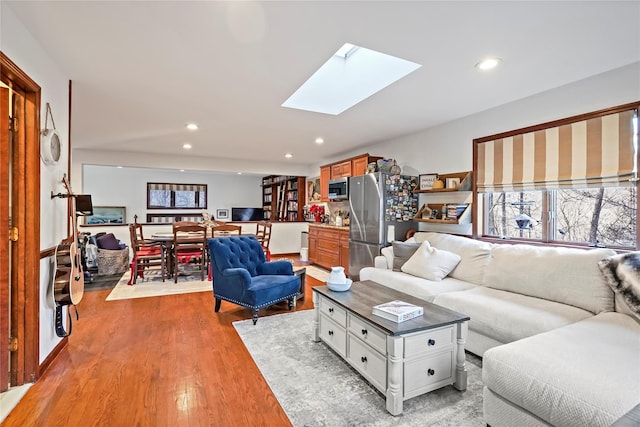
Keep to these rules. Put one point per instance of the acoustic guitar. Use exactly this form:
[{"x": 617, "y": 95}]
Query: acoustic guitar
[{"x": 68, "y": 283}]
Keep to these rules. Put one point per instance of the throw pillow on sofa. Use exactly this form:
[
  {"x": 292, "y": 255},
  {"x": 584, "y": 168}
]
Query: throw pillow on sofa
[
  {"x": 622, "y": 274},
  {"x": 431, "y": 263},
  {"x": 402, "y": 251}
]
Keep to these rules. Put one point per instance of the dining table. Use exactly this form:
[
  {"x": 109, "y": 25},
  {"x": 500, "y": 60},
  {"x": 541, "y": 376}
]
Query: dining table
[{"x": 166, "y": 239}]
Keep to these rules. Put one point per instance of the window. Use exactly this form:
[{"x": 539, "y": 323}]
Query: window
[
  {"x": 573, "y": 181},
  {"x": 597, "y": 217},
  {"x": 176, "y": 196}
]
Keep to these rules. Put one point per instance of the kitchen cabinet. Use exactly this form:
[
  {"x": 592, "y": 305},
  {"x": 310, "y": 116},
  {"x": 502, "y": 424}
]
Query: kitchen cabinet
[
  {"x": 353, "y": 166},
  {"x": 341, "y": 170},
  {"x": 329, "y": 246},
  {"x": 325, "y": 175},
  {"x": 359, "y": 165}
]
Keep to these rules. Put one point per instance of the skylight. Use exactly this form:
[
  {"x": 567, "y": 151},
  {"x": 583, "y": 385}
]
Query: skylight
[{"x": 350, "y": 76}]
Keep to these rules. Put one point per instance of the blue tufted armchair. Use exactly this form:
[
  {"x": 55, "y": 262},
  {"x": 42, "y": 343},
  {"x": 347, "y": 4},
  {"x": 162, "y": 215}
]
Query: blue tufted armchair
[{"x": 242, "y": 276}]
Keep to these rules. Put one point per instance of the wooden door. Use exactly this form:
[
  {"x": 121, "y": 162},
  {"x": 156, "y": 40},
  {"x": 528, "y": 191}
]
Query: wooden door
[{"x": 5, "y": 308}]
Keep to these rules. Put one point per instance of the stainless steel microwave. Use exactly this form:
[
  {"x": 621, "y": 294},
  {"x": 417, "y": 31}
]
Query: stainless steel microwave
[{"x": 339, "y": 189}]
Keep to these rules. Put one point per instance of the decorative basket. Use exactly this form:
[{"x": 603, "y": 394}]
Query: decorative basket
[{"x": 112, "y": 262}]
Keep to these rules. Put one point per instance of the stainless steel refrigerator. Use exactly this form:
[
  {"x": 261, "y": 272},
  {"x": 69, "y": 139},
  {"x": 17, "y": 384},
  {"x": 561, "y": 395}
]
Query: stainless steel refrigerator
[{"x": 381, "y": 209}]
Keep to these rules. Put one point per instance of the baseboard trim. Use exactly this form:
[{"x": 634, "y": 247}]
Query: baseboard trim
[{"x": 51, "y": 357}]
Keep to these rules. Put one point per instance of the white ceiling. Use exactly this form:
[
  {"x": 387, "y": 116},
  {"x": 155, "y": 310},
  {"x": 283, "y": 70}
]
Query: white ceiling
[{"x": 142, "y": 70}]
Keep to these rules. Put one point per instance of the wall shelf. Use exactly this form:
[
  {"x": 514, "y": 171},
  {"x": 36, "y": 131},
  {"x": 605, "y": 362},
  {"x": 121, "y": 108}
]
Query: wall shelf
[
  {"x": 465, "y": 183},
  {"x": 463, "y": 218}
]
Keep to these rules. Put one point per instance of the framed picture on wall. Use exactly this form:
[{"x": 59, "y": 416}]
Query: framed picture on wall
[
  {"x": 107, "y": 215},
  {"x": 313, "y": 190},
  {"x": 427, "y": 180},
  {"x": 452, "y": 183},
  {"x": 222, "y": 214}
]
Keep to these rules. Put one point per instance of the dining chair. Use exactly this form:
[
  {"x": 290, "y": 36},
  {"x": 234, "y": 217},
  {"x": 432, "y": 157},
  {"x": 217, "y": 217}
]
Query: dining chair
[
  {"x": 263, "y": 234},
  {"x": 146, "y": 254},
  {"x": 221, "y": 229},
  {"x": 189, "y": 246},
  {"x": 224, "y": 229}
]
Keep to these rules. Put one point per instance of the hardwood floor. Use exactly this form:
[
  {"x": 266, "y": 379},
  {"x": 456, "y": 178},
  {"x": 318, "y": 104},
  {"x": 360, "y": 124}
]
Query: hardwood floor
[{"x": 164, "y": 361}]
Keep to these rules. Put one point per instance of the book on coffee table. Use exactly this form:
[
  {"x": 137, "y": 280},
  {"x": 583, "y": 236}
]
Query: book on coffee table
[{"x": 398, "y": 311}]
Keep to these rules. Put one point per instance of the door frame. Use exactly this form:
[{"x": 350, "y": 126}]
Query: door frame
[{"x": 25, "y": 252}]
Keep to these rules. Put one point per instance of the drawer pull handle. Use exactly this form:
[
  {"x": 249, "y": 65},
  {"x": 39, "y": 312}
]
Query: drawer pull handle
[
  {"x": 330, "y": 310},
  {"x": 430, "y": 372},
  {"x": 363, "y": 359},
  {"x": 431, "y": 342},
  {"x": 364, "y": 332},
  {"x": 330, "y": 332}
]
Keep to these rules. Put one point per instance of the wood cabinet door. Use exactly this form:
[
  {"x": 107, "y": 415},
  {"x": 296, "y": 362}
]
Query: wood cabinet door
[
  {"x": 325, "y": 175},
  {"x": 313, "y": 249},
  {"x": 341, "y": 170},
  {"x": 359, "y": 165},
  {"x": 344, "y": 251}
]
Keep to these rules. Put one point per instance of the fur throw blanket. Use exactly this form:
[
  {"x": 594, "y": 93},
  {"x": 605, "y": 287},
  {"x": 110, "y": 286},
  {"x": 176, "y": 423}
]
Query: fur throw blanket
[{"x": 622, "y": 274}]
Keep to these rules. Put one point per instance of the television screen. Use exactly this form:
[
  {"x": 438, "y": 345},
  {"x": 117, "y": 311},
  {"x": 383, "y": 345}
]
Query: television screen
[
  {"x": 83, "y": 204},
  {"x": 247, "y": 214}
]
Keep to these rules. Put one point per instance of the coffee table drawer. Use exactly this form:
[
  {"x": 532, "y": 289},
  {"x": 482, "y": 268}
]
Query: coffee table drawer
[
  {"x": 333, "y": 311},
  {"x": 429, "y": 341},
  {"x": 423, "y": 374},
  {"x": 371, "y": 364},
  {"x": 334, "y": 335},
  {"x": 367, "y": 333}
]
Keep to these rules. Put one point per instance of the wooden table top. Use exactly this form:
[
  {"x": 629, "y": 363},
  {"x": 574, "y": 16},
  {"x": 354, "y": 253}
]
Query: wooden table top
[{"x": 362, "y": 296}]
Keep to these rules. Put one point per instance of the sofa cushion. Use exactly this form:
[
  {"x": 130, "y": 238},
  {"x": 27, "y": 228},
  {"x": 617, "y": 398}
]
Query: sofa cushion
[
  {"x": 474, "y": 254},
  {"x": 622, "y": 274},
  {"x": 402, "y": 251},
  {"x": 507, "y": 316},
  {"x": 412, "y": 285},
  {"x": 583, "y": 374},
  {"x": 565, "y": 275},
  {"x": 431, "y": 263}
]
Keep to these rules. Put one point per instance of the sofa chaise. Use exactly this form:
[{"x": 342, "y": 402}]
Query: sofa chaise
[{"x": 558, "y": 346}]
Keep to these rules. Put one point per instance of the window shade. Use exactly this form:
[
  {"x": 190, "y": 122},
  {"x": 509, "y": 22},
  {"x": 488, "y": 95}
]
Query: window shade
[
  {"x": 597, "y": 152},
  {"x": 176, "y": 187}
]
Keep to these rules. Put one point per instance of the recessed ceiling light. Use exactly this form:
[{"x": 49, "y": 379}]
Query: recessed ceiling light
[
  {"x": 191, "y": 126},
  {"x": 488, "y": 64},
  {"x": 319, "y": 140},
  {"x": 119, "y": 167},
  {"x": 186, "y": 146},
  {"x": 181, "y": 170},
  {"x": 348, "y": 77},
  {"x": 239, "y": 173},
  {"x": 288, "y": 155}
]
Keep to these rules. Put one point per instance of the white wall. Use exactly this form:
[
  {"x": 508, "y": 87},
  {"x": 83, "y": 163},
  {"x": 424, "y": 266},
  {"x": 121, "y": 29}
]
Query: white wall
[
  {"x": 110, "y": 186},
  {"x": 28, "y": 55},
  {"x": 449, "y": 147}
]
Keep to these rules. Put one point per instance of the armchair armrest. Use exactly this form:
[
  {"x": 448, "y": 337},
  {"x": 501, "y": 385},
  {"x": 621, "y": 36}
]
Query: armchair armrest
[
  {"x": 381, "y": 262},
  {"x": 239, "y": 276},
  {"x": 276, "y": 267}
]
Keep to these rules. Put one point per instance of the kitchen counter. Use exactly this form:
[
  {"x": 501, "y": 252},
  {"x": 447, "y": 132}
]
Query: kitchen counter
[
  {"x": 333, "y": 227},
  {"x": 329, "y": 245}
]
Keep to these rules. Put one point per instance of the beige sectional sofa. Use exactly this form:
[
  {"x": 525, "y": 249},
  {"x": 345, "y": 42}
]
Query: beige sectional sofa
[{"x": 558, "y": 348}]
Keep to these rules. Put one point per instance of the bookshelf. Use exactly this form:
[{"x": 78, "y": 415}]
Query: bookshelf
[{"x": 283, "y": 197}]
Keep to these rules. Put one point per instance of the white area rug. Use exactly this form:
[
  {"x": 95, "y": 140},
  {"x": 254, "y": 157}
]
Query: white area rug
[
  {"x": 153, "y": 286},
  {"x": 317, "y": 273},
  {"x": 315, "y": 387}
]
